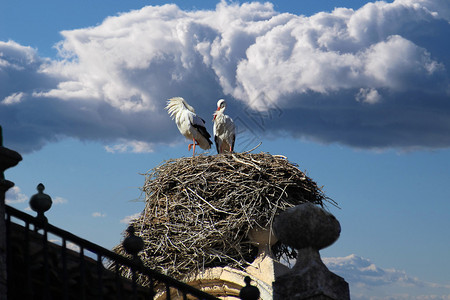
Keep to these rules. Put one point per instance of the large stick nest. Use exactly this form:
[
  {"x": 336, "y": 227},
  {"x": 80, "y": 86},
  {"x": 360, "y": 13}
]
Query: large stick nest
[{"x": 199, "y": 210}]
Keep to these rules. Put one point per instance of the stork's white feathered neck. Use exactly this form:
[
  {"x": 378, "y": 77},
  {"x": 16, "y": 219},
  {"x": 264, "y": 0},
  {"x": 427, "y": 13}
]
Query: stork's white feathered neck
[
  {"x": 176, "y": 104},
  {"x": 221, "y": 106},
  {"x": 218, "y": 113}
]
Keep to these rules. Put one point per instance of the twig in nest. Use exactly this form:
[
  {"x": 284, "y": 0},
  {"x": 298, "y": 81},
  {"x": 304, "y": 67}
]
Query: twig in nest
[{"x": 252, "y": 148}]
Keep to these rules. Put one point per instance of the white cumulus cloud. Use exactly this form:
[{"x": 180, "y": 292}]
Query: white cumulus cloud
[
  {"x": 368, "y": 281},
  {"x": 110, "y": 81},
  {"x": 98, "y": 214},
  {"x": 130, "y": 218},
  {"x": 368, "y": 96},
  {"x": 12, "y": 99},
  {"x": 14, "y": 195},
  {"x": 130, "y": 146},
  {"x": 59, "y": 200}
]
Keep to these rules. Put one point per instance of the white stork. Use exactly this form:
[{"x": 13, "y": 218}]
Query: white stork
[
  {"x": 224, "y": 129},
  {"x": 189, "y": 124}
]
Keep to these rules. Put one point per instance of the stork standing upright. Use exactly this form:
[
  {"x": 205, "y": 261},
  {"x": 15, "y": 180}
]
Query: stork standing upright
[
  {"x": 189, "y": 124},
  {"x": 224, "y": 129}
]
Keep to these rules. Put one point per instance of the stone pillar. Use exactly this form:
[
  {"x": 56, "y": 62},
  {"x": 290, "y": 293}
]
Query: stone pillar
[
  {"x": 8, "y": 159},
  {"x": 265, "y": 268},
  {"x": 308, "y": 228}
]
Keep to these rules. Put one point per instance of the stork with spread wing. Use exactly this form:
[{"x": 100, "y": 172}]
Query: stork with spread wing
[{"x": 189, "y": 124}]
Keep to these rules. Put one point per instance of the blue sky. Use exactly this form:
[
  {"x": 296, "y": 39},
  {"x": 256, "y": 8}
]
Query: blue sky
[{"x": 358, "y": 96}]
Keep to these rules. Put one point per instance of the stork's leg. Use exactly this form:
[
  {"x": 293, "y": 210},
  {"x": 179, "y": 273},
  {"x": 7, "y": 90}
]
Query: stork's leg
[
  {"x": 194, "y": 142},
  {"x": 193, "y": 150}
]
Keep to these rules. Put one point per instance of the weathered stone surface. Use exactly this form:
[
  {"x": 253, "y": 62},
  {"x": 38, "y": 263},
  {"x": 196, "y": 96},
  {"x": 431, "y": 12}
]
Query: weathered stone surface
[
  {"x": 307, "y": 225},
  {"x": 265, "y": 268},
  {"x": 225, "y": 283},
  {"x": 308, "y": 229},
  {"x": 310, "y": 279}
]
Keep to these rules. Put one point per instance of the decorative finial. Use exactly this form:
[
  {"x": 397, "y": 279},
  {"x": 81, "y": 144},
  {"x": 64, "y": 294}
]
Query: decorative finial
[
  {"x": 133, "y": 244},
  {"x": 41, "y": 202},
  {"x": 8, "y": 159},
  {"x": 308, "y": 229}
]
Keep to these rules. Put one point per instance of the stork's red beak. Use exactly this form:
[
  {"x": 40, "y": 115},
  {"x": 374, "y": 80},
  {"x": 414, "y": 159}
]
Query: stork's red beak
[{"x": 216, "y": 115}]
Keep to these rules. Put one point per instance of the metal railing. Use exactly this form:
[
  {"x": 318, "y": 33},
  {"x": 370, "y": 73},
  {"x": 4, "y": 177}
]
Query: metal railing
[{"x": 40, "y": 269}]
